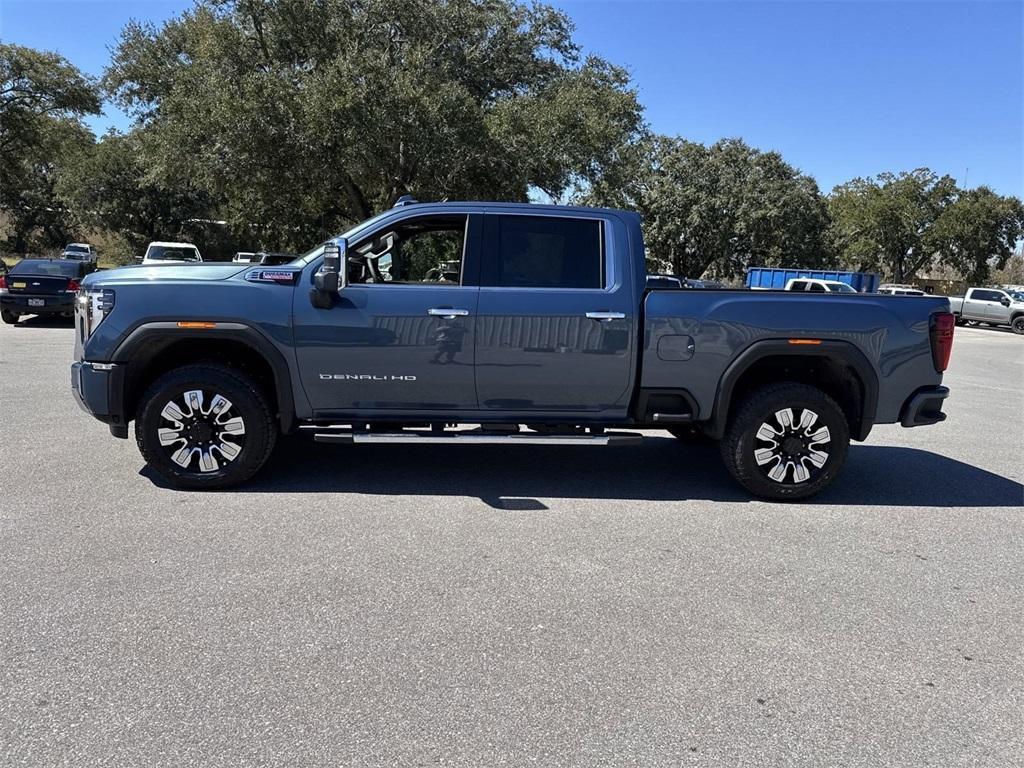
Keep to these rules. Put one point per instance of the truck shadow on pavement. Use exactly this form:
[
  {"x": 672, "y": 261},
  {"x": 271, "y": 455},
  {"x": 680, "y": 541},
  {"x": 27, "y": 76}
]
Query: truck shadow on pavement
[{"x": 514, "y": 478}]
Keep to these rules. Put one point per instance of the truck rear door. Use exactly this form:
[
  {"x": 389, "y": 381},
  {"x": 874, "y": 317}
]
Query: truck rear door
[{"x": 557, "y": 320}]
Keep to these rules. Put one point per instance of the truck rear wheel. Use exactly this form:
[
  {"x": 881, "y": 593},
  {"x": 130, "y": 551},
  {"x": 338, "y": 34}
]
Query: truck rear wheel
[
  {"x": 205, "y": 427},
  {"x": 8, "y": 317},
  {"x": 786, "y": 442}
]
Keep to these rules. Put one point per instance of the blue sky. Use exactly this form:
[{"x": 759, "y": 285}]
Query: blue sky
[{"x": 840, "y": 88}]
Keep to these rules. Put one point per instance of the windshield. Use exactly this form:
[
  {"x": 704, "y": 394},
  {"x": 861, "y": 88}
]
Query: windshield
[
  {"x": 77, "y": 249},
  {"x": 172, "y": 253},
  {"x": 318, "y": 251},
  {"x": 40, "y": 267},
  {"x": 840, "y": 288}
]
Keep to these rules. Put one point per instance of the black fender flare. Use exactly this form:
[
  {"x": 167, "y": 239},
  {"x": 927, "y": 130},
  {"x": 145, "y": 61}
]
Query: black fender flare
[
  {"x": 843, "y": 351},
  {"x": 146, "y": 341}
]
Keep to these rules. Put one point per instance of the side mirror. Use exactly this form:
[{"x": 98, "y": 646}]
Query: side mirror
[
  {"x": 1004, "y": 301},
  {"x": 331, "y": 277}
]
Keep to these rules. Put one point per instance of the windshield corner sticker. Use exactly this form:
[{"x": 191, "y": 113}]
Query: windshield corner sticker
[{"x": 283, "y": 276}]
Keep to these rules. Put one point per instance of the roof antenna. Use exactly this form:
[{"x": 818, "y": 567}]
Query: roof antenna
[{"x": 405, "y": 200}]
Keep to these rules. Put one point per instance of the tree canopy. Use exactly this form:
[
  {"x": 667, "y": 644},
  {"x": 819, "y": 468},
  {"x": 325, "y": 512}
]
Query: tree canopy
[
  {"x": 42, "y": 101},
  {"x": 718, "y": 208},
  {"x": 902, "y": 224},
  {"x": 300, "y": 116}
]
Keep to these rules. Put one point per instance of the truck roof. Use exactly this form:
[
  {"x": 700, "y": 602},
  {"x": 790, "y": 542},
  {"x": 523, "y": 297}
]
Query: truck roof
[{"x": 536, "y": 208}]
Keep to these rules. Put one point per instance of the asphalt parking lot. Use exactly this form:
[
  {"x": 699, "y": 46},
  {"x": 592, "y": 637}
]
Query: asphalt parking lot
[{"x": 414, "y": 605}]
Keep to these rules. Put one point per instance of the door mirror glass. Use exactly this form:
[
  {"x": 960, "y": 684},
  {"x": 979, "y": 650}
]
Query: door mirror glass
[{"x": 331, "y": 276}]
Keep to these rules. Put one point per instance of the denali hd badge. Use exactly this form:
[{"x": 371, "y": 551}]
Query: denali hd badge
[{"x": 362, "y": 377}]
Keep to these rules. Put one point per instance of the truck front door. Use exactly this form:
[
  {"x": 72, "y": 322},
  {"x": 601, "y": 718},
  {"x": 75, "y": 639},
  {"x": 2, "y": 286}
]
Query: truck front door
[
  {"x": 981, "y": 304},
  {"x": 557, "y": 320},
  {"x": 400, "y": 335}
]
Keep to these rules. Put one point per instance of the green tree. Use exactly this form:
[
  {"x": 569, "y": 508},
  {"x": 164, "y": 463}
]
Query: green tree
[
  {"x": 886, "y": 224},
  {"x": 718, "y": 208},
  {"x": 110, "y": 187},
  {"x": 977, "y": 233},
  {"x": 42, "y": 100},
  {"x": 305, "y": 115}
]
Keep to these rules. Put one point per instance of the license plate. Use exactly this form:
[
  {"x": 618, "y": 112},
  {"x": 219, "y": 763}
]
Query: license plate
[
  {"x": 17, "y": 285},
  {"x": 37, "y": 302}
]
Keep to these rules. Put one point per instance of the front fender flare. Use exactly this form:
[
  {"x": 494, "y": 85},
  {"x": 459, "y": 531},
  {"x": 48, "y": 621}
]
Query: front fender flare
[{"x": 147, "y": 340}]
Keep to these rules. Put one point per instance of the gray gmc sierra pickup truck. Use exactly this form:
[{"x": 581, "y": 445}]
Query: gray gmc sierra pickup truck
[{"x": 534, "y": 322}]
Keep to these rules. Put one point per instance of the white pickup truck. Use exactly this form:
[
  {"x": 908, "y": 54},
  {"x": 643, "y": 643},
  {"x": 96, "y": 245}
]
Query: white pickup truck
[{"x": 988, "y": 305}]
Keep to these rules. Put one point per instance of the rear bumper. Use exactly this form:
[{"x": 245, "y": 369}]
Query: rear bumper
[
  {"x": 99, "y": 391},
  {"x": 924, "y": 407},
  {"x": 53, "y": 304}
]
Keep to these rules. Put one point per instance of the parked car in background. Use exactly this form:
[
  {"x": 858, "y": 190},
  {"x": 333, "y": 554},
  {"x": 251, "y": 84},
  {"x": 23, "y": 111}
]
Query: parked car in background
[
  {"x": 814, "y": 285},
  {"x": 245, "y": 257},
  {"x": 41, "y": 287},
  {"x": 990, "y": 306},
  {"x": 900, "y": 290},
  {"x": 275, "y": 258},
  {"x": 78, "y": 252},
  {"x": 664, "y": 281},
  {"x": 776, "y": 278},
  {"x": 171, "y": 253},
  {"x": 82, "y": 252}
]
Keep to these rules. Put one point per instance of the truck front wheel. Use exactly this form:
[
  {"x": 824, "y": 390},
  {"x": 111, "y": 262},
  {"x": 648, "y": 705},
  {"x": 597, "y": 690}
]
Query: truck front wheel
[
  {"x": 205, "y": 427},
  {"x": 1017, "y": 324},
  {"x": 786, "y": 441}
]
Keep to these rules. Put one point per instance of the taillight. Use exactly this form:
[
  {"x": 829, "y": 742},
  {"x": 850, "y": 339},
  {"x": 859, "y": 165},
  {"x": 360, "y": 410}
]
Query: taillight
[
  {"x": 3, "y": 285},
  {"x": 73, "y": 286},
  {"x": 941, "y": 335}
]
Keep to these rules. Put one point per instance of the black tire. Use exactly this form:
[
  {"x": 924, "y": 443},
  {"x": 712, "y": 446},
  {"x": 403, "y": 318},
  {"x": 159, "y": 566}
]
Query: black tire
[
  {"x": 690, "y": 435},
  {"x": 8, "y": 317},
  {"x": 246, "y": 402},
  {"x": 1017, "y": 324},
  {"x": 761, "y": 409}
]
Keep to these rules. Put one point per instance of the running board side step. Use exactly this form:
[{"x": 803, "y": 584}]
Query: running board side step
[{"x": 475, "y": 438}]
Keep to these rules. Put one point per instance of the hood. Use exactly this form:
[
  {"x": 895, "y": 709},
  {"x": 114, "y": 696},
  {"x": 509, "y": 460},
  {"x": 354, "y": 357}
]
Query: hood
[{"x": 204, "y": 271}]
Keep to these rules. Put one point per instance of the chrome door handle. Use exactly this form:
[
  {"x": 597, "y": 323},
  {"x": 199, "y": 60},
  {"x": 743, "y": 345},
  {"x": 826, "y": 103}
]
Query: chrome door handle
[
  {"x": 605, "y": 316},
  {"x": 448, "y": 313}
]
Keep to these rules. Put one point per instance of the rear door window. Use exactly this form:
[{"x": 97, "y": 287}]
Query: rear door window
[
  {"x": 49, "y": 268},
  {"x": 543, "y": 252}
]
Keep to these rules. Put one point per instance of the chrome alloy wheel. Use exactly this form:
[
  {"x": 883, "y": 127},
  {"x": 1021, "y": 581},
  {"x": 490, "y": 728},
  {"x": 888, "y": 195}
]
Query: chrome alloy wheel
[
  {"x": 786, "y": 448},
  {"x": 198, "y": 435}
]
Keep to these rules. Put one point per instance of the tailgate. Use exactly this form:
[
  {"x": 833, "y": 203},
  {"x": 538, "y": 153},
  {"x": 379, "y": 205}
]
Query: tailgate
[{"x": 37, "y": 285}]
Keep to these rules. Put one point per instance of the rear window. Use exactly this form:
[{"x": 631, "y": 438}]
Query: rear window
[
  {"x": 48, "y": 268},
  {"x": 544, "y": 252}
]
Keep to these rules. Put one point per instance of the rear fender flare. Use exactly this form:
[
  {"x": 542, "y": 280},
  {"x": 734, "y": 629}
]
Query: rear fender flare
[{"x": 843, "y": 351}]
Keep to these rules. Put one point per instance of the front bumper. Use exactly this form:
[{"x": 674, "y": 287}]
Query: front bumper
[
  {"x": 53, "y": 304},
  {"x": 99, "y": 391},
  {"x": 924, "y": 407}
]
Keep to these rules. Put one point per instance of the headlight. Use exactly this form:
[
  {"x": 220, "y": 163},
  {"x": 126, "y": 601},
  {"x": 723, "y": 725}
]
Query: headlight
[{"x": 92, "y": 305}]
